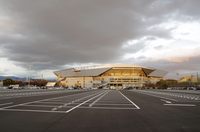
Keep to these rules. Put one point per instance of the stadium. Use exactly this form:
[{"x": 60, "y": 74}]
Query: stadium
[{"x": 112, "y": 76}]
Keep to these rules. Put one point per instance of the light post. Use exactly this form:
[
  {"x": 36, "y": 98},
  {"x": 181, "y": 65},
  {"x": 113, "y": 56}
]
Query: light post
[{"x": 29, "y": 78}]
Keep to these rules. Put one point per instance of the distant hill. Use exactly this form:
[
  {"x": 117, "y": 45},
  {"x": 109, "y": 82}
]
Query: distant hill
[
  {"x": 12, "y": 77},
  {"x": 23, "y": 78}
]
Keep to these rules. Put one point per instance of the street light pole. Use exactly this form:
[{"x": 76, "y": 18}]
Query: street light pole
[{"x": 29, "y": 78}]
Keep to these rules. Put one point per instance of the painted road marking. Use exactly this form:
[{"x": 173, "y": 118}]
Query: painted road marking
[
  {"x": 98, "y": 99},
  {"x": 109, "y": 108},
  {"x": 37, "y": 101},
  {"x": 166, "y": 101},
  {"x": 44, "y": 102},
  {"x": 156, "y": 96},
  {"x": 42, "y": 105},
  {"x": 32, "y": 94},
  {"x": 82, "y": 103},
  {"x": 180, "y": 95},
  {"x": 64, "y": 112},
  {"x": 180, "y": 104},
  {"x": 72, "y": 102},
  {"x": 105, "y": 104},
  {"x": 6, "y": 103},
  {"x": 129, "y": 100},
  {"x": 26, "y": 110}
]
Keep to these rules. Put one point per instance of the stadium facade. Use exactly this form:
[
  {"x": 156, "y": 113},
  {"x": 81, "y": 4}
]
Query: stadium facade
[{"x": 111, "y": 76}]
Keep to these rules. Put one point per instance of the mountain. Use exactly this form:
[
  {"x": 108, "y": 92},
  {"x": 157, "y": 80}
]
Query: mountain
[
  {"x": 23, "y": 78},
  {"x": 13, "y": 78}
]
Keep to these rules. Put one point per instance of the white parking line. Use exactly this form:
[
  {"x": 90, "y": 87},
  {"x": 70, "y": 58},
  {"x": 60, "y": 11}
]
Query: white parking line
[
  {"x": 158, "y": 96},
  {"x": 166, "y": 101},
  {"x": 180, "y": 104},
  {"x": 37, "y": 101},
  {"x": 50, "y": 102},
  {"x": 40, "y": 111},
  {"x": 64, "y": 112},
  {"x": 178, "y": 95},
  {"x": 105, "y": 101},
  {"x": 82, "y": 103},
  {"x": 114, "y": 104},
  {"x": 107, "y": 104},
  {"x": 129, "y": 100},
  {"x": 6, "y": 103},
  {"x": 73, "y": 102},
  {"x": 98, "y": 99},
  {"x": 109, "y": 108},
  {"x": 31, "y": 94},
  {"x": 42, "y": 105}
]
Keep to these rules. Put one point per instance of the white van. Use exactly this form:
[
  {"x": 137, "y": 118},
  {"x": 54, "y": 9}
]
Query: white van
[{"x": 16, "y": 86}]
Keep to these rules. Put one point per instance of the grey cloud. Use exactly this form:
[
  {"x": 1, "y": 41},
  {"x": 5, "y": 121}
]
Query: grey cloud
[
  {"x": 191, "y": 65},
  {"x": 158, "y": 47},
  {"x": 134, "y": 48},
  {"x": 76, "y": 31}
]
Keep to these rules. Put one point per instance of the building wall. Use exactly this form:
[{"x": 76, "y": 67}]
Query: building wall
[
  {"x": 154, "y": 80},
  {"x": 116, "y": 78},
  {"x": 1, "y": 83},
  {"x": 125, "y": 77},
  {"x": 78, "y": 82},
  {"x": 189, "y": 78}
]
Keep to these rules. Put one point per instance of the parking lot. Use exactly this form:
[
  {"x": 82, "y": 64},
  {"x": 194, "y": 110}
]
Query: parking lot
[
  {"x": 100, "y": 110},
  {"x": 12, "y": 93}
]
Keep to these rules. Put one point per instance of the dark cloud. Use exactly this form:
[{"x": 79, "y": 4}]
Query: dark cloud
[
  {"x": 190, "y": 66},
  {"x": 58, "y": 32}
]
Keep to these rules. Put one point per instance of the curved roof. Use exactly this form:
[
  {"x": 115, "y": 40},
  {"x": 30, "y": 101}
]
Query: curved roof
[
  {"x": 157, "y": 73},
  {"x": 79, "y": 73},
  {"x": 96, "y": 71}
]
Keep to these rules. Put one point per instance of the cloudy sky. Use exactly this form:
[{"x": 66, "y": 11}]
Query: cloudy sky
[{"x": 48, "y": 35}]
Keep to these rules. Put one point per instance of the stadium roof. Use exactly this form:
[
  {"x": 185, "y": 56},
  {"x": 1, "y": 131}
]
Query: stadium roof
[
  {"x": 98, "y": 70},
  {"x": 157, "y": 73},
  {"x": 79, "y": 73}
]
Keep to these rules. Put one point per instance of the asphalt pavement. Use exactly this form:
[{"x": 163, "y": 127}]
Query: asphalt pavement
[{"x": 101, "y": 111}]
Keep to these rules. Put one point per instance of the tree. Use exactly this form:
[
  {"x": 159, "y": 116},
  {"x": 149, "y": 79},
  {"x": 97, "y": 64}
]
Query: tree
[
  {"x": 150, "y": 85},
  {"x": 39, "y": 82},
  {"x": 162, "y": 84},
  {"x": 21, "y": 83},
  {"x": 8, "y": 82}
]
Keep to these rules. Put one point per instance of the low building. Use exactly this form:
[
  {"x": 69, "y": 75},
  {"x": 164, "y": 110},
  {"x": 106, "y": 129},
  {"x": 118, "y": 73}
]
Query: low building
[
  {"x": 1, "y": 83},
  {"x": 50, "y": 84},
  {"x": 111, "y": 76},
  {"x": 189, "y": 78}
]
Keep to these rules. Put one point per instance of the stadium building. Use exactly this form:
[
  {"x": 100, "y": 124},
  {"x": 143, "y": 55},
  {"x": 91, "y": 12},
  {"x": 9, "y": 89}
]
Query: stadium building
[{"x": 110, "y": 76}]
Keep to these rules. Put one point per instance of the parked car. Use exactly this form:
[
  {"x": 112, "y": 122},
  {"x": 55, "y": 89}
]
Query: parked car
[
  {"x": 191, "y": 88},
  {"x": 14, "y": 86},
  {"x": 10, "y": 87}
]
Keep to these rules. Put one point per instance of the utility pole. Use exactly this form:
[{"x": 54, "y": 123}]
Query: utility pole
[
  {"x": 29, "y": 76},
  {"x": 42, "y": 76},
  {"x": 178, "y": 77}
]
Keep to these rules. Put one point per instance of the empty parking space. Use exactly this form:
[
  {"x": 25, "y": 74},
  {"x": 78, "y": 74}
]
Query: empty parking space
[
  {"x": 102, "y": 99},
  {"x": 173, "y": 96},
  {"x": 8, "y": 94},
  {"x": 100, "y": 108}
]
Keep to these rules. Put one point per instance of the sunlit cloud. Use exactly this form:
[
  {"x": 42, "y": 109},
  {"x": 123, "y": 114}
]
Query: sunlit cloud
[
  {"x": 184, "y": 45},
  {"x": 8, "y": 68},
  {"x": 164, "y": 34}
]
